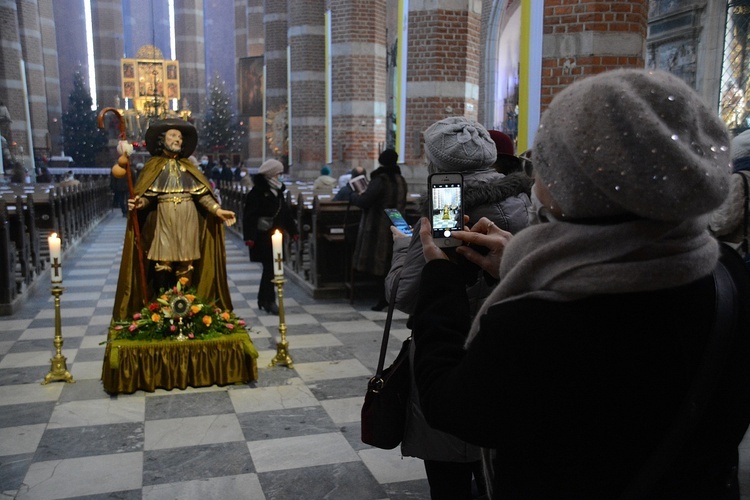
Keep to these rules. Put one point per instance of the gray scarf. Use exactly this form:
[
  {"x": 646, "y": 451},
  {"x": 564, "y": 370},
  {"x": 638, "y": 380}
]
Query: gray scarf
[{"x": 562, "y": 261}]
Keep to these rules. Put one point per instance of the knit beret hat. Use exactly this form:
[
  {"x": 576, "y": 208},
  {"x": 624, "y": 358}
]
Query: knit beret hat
[
  {"x": 632, "y": 142},
  {"x": 503, "y": 143},
  {"x": 741, "y": 146},
  {"x": 325, "y": 171},
  {"x": 270, "y": 168},
  {"x": 456, "y": 144}
]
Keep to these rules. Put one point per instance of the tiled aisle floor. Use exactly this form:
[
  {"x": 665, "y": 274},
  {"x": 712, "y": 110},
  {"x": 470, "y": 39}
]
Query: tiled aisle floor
[{"x": 292, "y": 435}]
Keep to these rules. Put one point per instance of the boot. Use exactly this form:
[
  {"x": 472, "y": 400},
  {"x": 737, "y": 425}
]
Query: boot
[{"x": 269, "y": 307}]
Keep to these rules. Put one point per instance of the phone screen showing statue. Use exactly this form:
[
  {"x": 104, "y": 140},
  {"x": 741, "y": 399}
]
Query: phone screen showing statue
[{"x": 446, "y": 209}]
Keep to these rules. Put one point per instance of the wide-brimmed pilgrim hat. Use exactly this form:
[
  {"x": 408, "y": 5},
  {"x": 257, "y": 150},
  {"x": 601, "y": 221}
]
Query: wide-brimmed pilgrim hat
[{"x": 189, "y": 135}]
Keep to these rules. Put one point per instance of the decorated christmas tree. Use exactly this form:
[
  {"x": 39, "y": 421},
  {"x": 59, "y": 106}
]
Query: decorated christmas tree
[
  {"x": 221, "y": 131},
  {"x": 83, "y": 139}
]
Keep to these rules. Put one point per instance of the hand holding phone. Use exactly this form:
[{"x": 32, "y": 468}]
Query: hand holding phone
[
  {"x": 446, "y": 207},
  {"x": 398, "y": 220}
]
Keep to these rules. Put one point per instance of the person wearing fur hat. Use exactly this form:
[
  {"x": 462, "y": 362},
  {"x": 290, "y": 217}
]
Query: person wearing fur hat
[
  {"x": 265, "y": 210},
  {"x": 373, "y": 249},
  {"x": 728, "y": 222},
  {"x": 456, "y": 144},
  {"x": 180, "y": 224},
  {"x": 603, "y": 318}
]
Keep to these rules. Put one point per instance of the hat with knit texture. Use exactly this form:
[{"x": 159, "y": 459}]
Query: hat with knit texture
[
  {"x": 457, "y": 144},
  {"x": 503, "y": 143},
  {"x": 741, "y": 145},
  {"x": 270, "y": 168},
  {"x": 632, "y": 142}
]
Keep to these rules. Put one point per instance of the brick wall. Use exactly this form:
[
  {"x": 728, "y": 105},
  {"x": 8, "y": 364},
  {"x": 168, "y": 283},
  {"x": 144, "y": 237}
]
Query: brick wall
[{"x": 586, "y": 37}]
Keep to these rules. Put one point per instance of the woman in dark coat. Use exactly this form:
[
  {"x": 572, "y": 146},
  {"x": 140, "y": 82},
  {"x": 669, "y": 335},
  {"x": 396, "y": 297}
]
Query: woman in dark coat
[
  {"x": 266, "y": 199},
  {"x": 579, "y": 365},
  {"x": 374, "y": 248}
]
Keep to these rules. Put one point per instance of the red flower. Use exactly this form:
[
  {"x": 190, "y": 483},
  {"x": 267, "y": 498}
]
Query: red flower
[{"x": 153, "y": 307}]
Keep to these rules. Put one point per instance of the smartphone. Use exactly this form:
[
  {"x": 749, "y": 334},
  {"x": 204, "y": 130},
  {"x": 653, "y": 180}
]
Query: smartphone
[
  {"x": 446, "y": 192},
  {"x": 398, "y": 220}
]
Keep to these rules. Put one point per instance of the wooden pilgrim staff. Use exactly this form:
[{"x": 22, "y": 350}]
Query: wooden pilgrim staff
[{"x": 123, "y": 162}]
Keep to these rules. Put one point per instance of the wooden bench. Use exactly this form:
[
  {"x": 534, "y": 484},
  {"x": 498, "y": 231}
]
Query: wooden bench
[{"x": 8, "y": 290}]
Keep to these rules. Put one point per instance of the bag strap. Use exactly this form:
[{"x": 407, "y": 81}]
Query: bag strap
[
  {"x": 701, "y": 389},
  {"x": 745, "y": 246},
  {"x": 387, "y": 328}
]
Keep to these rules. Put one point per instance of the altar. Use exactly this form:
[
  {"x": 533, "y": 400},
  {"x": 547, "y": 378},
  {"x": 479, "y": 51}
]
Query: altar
[{"x": 131, "y": 365}]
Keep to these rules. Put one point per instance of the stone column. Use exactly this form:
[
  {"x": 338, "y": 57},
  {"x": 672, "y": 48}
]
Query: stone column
[
  {"x": 106, "y": 16},
  {"x": 51, "y": 77},
  {"x": 443, "y": 67},
  {"x": 190, "y": 51},
  {"x": 254, "y": 45},
  {"x": 31, "y": 45},
  {"x": 358, "y": 58},
  {"x": 307, "y": 42},
  {"x": 11, "y": 90},
  {"x": 275, "y": 27}
]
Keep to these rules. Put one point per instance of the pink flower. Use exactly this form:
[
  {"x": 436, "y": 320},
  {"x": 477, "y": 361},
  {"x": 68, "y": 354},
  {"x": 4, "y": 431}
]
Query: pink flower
[
  {"x": 191, "y": 335},
  {"x": 118, "y": 327},
  {"x": 172, "y": 328},
  {"x": 133, "y": 327},
  {"x": 230, "y": 326},
  {"x": 137, "y": 316},
  {"x": 241, "y": 322}
]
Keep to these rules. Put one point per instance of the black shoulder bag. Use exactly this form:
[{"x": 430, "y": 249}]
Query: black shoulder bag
[{"x": 384, "y": 410}]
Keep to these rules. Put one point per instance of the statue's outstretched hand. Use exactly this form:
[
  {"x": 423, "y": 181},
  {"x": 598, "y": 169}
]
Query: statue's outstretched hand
[{"x": 226, "y": 216}]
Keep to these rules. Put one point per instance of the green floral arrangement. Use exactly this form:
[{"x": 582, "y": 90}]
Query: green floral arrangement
[{"x": 178, "y": 311}]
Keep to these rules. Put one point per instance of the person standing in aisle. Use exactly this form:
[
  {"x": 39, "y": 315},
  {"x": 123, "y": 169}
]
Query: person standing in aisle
[
  {"x": 374, "y": 248},
  {"x": 265, "y": 210}
]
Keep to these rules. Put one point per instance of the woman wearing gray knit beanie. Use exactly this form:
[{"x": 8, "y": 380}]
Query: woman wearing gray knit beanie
[
  {"x": 456, "y": 144},
  {"x": 595, "y": 369}
]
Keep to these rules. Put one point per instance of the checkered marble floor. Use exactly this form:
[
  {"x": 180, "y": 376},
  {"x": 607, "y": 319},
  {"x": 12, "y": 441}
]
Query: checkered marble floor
[{"x": 293, "y": 434}]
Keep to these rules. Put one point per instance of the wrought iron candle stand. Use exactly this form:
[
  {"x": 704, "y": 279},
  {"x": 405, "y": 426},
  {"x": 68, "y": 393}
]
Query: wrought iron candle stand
[
  {"x": 282, "y": 347},
  {"x": 59, "y": 369}
]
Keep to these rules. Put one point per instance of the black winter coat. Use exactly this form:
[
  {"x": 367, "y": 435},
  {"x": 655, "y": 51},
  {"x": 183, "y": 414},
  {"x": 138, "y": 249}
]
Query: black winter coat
[
  {"x": 261, "y": 201},
  {"x": 387, "y": 189},
  {"x": 574, "y": 396}
]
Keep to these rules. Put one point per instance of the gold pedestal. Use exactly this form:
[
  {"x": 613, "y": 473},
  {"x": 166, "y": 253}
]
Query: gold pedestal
[
  {"x": 282, "y": 348},
  {"x": 59, "y": 369}
]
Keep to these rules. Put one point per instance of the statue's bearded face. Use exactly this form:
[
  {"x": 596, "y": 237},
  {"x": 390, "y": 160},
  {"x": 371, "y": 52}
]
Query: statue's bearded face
[{"x": 173, "y": 140}]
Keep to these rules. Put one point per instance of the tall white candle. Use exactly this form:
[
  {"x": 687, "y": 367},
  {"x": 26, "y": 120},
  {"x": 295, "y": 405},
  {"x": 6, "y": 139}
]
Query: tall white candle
[
  {"x": 55, "y": 257},
  {"x": 278, "y": 253}
]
